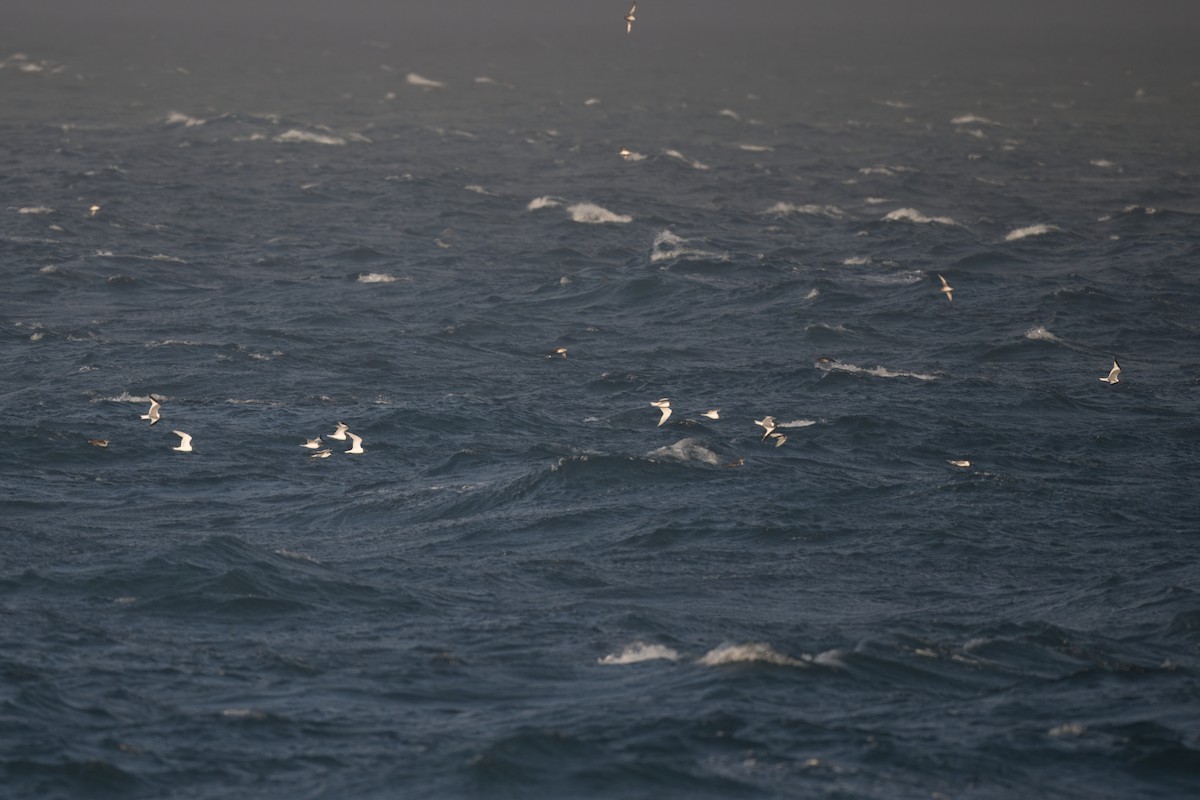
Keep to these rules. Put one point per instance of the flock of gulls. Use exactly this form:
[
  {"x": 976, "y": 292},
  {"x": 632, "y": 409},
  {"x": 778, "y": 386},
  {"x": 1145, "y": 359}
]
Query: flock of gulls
[{"x": 771, "y": 429}]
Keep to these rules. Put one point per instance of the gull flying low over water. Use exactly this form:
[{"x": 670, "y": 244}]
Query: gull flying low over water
[
  {"x": 665, "y": 406},
  {"x": 356, "y": 448},
  {"x": 98, "y": 442},
  {"x": 946, "y": 289},
  {"x": 340, "y": 433},
  {"x": 770, "y": 431},
  {"x": 631, "y": 18},
  {"x": 322, "y": 453},
  {"x": 1113, "y": 373},
  {"x": 712, "y": 413},
  {"x": 959, "y": 463},
  {"x": 312, "y": 444},
  {"x": 185, "y": 442},
  {"x": 153, "y": 414},
  {"x": 558, "y": 351}
]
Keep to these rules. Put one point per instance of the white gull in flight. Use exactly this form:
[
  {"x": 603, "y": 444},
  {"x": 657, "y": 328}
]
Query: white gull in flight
[
  {"x": 185, "y": 442},
  {"x": 665, "y": 406}
]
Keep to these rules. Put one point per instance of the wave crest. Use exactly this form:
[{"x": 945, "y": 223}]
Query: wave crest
[
  {"x": 912, "y": 215},
  {"x": 749, "y": 653},
  {"x": 592, "y": 214},
  {"x": 1031, "y": 230},
  {"x": 638, "y": 652}
]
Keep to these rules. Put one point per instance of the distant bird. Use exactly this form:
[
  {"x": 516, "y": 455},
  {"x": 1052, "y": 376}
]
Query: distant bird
[
  {"x": 956, "y": 463},
  {"x": 153, "y": 414},
  {"x": 558, "y": 351},
  {"x": 625, "y": 152},
  {"x": 355, "y": 448},
  {"x": 1113, "y": 373},
  {"x": 312, "y": 444},
  {"x": 631, "y": 18},
  {"x": 94, "y": 210},
  {"x": 768, "y": 425},
  {"x": 712, "y": 413},
  {"x": 946, "y": 289},
  {"x": 185, "y": 442},
  {"x": 98, "y": 442},
  {"x": 779, "y": 438},
  {"x": 322, "y": 453},
  {"x": 665, "y": 406},
  {"x": 340, "y": 433}
]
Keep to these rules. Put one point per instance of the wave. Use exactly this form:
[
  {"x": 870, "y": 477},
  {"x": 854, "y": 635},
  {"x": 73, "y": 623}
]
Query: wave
[
  {"x": 539, "y": 203},
  {"x": 691, "y": 162},
  {"x": 730, "y": 113},
  {"x": 685, "y": 450},
  {"x": 308, "y": 137},
  {"x": 912, "y": 215},
  {"x": 877, "y": 372},
  {"x": 638, "y": 652},
  {"x": 592, "y": 214},
  {"x": 783, "y": 209},
  {"x": 1031, "y": 230},
  {"x": 377, "y": 277},
  {"x": 886, "y": 170},
  {"x": 413, "y": 79},
  {"x": 477, "y": 189},
  {"x": 179, "y": 118},
  {"x": 756, "y": 148},
  {"x": 35, "y": 210},
  {"x": 752, "y": 652},
  {"x": 972, "y": 119},
  {"x": 1103, "y": 163},
  {"x": 668, "y": 246}
]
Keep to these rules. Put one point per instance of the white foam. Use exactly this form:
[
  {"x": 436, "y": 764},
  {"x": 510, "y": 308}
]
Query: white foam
[
  {"x": 1067, "y": 729},
  {"x": 477, "y": 189},
  {"x": 756, "y": 148},
  {"x": 876, "y": 201},
  {"x": 831, "y": 658},
  {"x": 1032, "y": 230},
  {"x": 377, "y": 277},
  {"x": 749, "y": 653},
  {"x": 592, "y": 214},
  {"x": 638, "y": 652},
  {"x": 592, "y": 101},
  {"x": 886, "y": 170},
  {"x": 730, "y": 113},
  {"x": 485, "y": 79},
  {"x": 667, "y": 246},
  {"x": 35, "y": 210},
  {"x": 797, "y": 423},
  {"x": 413, "y": 79},
  {"x": 813, "y": 294},
  {"x": 972, "y": 119},
  {"x": 308, "y": 137},
  {"x": 538, "y": 203},
  {"x": 178, "y": 118},
  {"x": 812, "y": 209},
  {"x": 685, "y": 450},
  {"x": 1103, "y": 163},
  {"x": 166, "y": 259},
  {"x": 691, "y": 162},
  {"x": 856, "y": 261},
  {"x": 912, "y": 215}
]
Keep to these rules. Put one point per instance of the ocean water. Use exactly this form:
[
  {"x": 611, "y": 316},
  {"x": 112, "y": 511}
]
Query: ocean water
[{"x": 525, "y": 587}]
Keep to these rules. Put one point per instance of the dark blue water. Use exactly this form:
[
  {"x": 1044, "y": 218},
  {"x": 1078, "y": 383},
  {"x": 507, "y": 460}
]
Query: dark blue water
[{"x": 524, "y": 587}]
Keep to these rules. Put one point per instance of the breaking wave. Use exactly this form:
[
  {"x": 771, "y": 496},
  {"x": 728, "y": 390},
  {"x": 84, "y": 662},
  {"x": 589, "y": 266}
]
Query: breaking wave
[{"x": 592, "y": 214}]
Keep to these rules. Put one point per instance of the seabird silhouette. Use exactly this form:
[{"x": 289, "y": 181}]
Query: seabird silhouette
[{"x": 1113, "y": 373}]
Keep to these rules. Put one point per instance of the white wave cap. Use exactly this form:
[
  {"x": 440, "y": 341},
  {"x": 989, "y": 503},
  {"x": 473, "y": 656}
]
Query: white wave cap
[
  {"x": 812, "y": 209},
  {"x": 592, "y": 214},
  {"x": 668, "y": 247},
  {"x": 35, "y": 210},
  {"x": 685, "y": 450},
  {"x": 749, "y": 653},
  {"x": 638, "y": 652},
  {"x": 1031, "y": 230},
  {"x": 296, "y": 136},
  {"x": 179, "y": 118},
  {"x": 538, "y": 203},
  {"x": 377, "y": 277},
  {"x": 972, "y": 119},
  {"x": 691, "y": 162},
  {"x": 912, "y": 215},
  {"x": 413, "y": 79}
]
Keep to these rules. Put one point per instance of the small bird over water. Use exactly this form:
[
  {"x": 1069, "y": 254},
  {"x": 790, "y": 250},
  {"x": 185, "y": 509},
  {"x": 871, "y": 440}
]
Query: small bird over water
[
  {"x": 98, "y": 442},
  {"x": 312, "y": 444},
  {"x": 665, "y": 406},
  {"x": 153, "y": 414},
  {"x": 946, "y": 289},
  {"x": 712, "y": 413},
  {"x": 356, "y": 447},
  {"x": 185, "y": 442},
  {"x": 340, "y": 433},
  {"x": 322, "y": 453},
  {"x": 959, "y": 463},
  {"x": 1113, "y": 373},
  {"x": 631, "y": 18},
  {"x": 558, "y": 351}
]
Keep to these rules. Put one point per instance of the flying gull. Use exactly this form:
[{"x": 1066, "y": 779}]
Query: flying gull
[
  {"x": 152, "y": 414},
  {"x": 340, "y": 433},
  {"x": 665, "y": 405},
  {"x": 1113, "y": 373},
  {"x": 631, "y": 18},
  {"x": 946, "y": 289},
  {"x": 312, "y": 444},
  {"x": 356, "y": 448},
  {"x": 768, "y": 424},
  {"x": 712, "y": 413},
  {"x": 558, "y": 351},
  {"x": 185, "y": 442},
  {"x": 98, "y": 442},
  {"x": 321, "y": 453},
  {"x": 959, "y": 463}
]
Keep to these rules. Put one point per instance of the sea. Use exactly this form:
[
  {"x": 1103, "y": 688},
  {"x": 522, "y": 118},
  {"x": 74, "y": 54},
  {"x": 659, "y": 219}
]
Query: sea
[{"x": 273, "y": 218}]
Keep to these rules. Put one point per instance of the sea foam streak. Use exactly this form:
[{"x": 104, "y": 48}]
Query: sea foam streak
[
  {"x": 308, "y": 137},
  {"x": 413, "y": 79},
  {"x": 783, "y": 209},
  {"x": 667, "y": 246},
  {"x": 691, "y": 162},
  {"x": 638, "y": 652},
  {"x": 685, "y": 450},
  {"x": 877, "y": 372},
  {"x": 538, "y": 203}
]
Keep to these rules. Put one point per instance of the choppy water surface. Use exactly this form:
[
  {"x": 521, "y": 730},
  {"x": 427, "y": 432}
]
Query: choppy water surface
[{"x": 524, "y": 587}]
